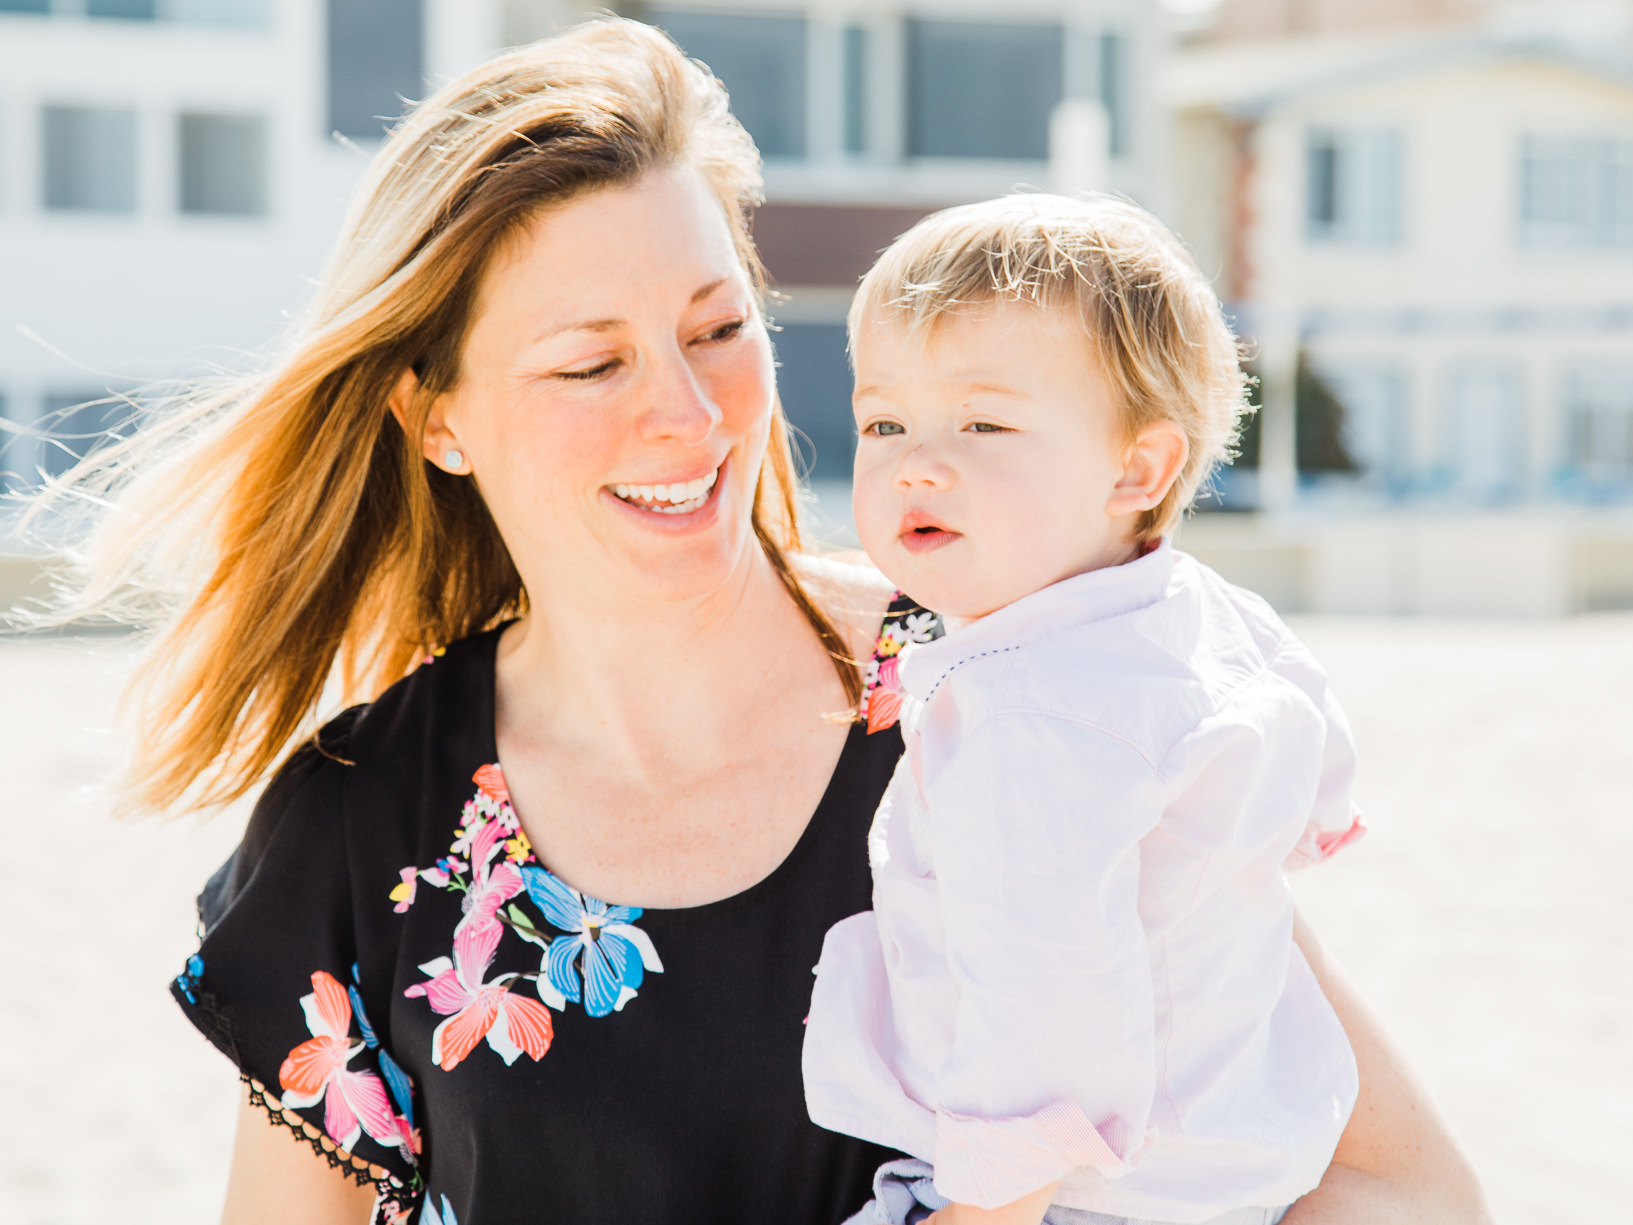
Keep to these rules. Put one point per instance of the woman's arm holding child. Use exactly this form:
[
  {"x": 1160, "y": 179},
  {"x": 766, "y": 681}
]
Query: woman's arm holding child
[{"x": 1397, "y": 1162}]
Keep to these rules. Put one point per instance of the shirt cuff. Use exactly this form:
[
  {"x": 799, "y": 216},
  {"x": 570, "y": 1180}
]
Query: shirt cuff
[{"x": 989, "y": 1163}]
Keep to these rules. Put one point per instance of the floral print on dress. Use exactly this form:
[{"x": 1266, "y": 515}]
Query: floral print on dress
[
  {"x": 600, "y": 961},
  {"x": 904, "y": 624},
  {"x": 316, "y": 1071}
]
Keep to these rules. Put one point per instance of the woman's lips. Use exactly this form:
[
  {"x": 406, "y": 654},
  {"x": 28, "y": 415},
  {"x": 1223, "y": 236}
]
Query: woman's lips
[{"x": 683, "y": 515}]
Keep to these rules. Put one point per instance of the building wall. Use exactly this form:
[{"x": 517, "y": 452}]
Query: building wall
[{"x": 93, "y": 301}]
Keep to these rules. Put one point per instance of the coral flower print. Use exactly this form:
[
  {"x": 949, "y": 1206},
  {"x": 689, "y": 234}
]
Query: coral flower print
[
  {"x": 614, "y": 953},
  {"x": 353, "y": 1102},
  {"x": 510, "y": 1023},
  {"x": 882, "y": 705}
]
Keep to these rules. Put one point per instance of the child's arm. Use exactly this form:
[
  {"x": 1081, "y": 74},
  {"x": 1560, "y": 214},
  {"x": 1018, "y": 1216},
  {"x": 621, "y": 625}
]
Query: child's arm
[{"x": 1028, "y": 1210}]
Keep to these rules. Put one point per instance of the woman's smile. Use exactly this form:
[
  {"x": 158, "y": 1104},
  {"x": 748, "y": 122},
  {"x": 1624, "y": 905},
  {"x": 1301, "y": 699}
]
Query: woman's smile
[{"x": 671, "y": 497}]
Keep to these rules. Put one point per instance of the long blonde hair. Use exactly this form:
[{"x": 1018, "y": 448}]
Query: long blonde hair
[{"x": 284, "y": 532}]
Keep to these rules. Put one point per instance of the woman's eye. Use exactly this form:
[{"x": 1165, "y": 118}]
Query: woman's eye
[
  {"x": 589, "y": 372},
  {"x": 884, "y": 429},
  {"x": 726, "y": 331}
]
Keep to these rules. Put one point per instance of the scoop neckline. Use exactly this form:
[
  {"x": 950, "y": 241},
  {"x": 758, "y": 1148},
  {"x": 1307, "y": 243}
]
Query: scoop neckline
[{"x": 744, "y": 896}]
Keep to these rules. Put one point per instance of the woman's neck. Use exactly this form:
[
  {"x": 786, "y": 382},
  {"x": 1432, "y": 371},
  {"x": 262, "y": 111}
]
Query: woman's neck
[{"x": 639, "y": 681}]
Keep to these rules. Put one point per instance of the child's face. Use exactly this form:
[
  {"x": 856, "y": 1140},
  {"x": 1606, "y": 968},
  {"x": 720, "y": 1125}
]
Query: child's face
[{"x": 989, "y": 458}]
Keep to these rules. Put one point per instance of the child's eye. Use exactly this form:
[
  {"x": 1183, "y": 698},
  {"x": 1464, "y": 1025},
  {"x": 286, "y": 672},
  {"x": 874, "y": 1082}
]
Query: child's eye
[
  {"x": 883, "y": 429},
  {"x": 987, "y": 427}
]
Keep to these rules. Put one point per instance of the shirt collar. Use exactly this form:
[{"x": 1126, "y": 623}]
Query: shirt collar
[{"x": 1097, "y": 595}]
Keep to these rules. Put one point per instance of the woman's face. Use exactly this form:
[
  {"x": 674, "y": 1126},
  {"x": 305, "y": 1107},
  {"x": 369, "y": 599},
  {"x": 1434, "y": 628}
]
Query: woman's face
[{"x": 615, "y": 395}]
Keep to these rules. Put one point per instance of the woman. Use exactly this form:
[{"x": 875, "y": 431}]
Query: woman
[{"x": 527, "y": 451}]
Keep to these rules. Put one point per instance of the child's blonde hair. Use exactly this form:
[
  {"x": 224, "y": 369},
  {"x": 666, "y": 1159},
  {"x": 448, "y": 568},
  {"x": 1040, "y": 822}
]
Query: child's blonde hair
[{"x": 1152, "y": 319}]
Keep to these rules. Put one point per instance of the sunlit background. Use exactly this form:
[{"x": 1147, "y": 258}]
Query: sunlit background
[{"x": 1420, "y": 216}]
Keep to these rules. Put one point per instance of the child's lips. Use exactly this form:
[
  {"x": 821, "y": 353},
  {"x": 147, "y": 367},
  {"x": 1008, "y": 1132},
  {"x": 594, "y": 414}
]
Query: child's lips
[{"x": 921, "y": 533}]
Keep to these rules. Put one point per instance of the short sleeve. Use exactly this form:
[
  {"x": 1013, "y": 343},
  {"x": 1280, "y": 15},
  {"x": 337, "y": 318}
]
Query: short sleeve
[
  {"x": 275, "y": 984},
  {"x": 1335, "y": 819}
]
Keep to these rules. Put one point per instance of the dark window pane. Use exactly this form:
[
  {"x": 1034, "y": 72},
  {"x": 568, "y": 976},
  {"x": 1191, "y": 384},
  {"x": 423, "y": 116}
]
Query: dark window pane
[
  {"x": 223, "y": 164},
  {"x": 1113, "y": 89},
  {"x": 90, "y": 159},
  {"x": 981, "y": 90},
  {"x": 74, "y": 425},
  {"x": 376, "y": 55},
  {"x": 25, "y": 6},
  {"x": 761, "y": 61},
  {"x": 135, "y": 10},
  {"x": 856, "y": 50},
  {"x": 814, "y": 380},
  {"x": 1323, "y": 184}
]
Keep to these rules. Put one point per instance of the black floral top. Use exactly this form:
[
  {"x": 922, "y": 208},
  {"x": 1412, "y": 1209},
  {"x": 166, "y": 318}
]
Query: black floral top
[{"x": 404, "y": 985}]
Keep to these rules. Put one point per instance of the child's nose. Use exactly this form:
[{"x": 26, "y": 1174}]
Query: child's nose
[{"x": 924, "y": 466}]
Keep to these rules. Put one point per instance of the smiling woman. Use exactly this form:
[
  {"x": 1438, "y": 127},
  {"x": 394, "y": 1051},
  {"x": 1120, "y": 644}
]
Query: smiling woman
[{"x": 528, "y": 934}]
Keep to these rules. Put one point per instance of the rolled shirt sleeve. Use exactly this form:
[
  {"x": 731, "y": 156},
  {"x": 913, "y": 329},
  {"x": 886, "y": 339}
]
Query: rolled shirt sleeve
[{"x": 1052, "y": 1063}]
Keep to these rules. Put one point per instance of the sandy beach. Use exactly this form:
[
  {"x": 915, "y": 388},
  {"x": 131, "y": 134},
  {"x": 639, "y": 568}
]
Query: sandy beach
[{"x": 1489, "y": 917}]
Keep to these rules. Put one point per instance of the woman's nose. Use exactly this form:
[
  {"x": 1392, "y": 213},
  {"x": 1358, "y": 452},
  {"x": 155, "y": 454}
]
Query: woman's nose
[{"x": 678, "y": 406}]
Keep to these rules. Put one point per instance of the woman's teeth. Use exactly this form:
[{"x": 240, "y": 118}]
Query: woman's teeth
[{"x": 678, "y": 499}]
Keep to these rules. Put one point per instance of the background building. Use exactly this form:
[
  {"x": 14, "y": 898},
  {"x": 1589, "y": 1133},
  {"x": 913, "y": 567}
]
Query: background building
[
  {"x": 1425, "y": 227},
  {"x": 174, "y": 170},
  {"x": 171, "y": 179}
]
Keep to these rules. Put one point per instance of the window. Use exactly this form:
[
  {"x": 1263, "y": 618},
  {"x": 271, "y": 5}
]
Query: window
[
  {"x": 1482, "y": 434},
  {"x": 1113, "y": 57},
  {"x": 1576, "y": 193},
  {"x": 25, "y": 6},
  {"x": 218, "y": 12},
  {"x": 223, "y": 164},
  {"x": 761, "y": 60},
  {"x": 90, "y": 159},
  {"x": 131, "y": 10},
  {"x": 856, "y": 94},
  {"x": 375, "y": 63},
  {"x": 1370, "y": 416},
  {"x": 1353, "y": 186},
  {"x": 1600, "y": 414},
  {"x": 814, "y": 380},
  {"x": 976, "y": 90}
]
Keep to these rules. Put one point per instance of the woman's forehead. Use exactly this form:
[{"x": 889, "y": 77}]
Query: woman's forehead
[{"x": 662, "y": 238}]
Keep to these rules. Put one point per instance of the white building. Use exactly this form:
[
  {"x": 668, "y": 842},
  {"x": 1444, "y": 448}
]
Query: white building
[
  {"x": 170, "y": 181},
  {"x": 1437, "y": 227}
]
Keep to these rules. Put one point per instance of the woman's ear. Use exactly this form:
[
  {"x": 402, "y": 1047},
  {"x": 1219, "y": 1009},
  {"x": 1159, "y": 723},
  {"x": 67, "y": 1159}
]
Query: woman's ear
[
  {"x": 438, "y": 443},
  {"x": 1151, "y": 465}
]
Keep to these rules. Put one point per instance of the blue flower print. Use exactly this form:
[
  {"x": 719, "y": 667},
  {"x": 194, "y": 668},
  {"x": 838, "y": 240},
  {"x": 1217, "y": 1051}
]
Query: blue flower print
[
  {"x": 397, "y": 1080},
  {"x": 188, "y": 978},
  {"x": 430, "y": 1216},
  {"x": 614, "y": 954}
]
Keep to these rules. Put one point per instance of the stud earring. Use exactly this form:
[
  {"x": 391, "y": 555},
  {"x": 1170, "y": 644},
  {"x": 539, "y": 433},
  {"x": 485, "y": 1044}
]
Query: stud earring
[{"x": 453, "y": 461}]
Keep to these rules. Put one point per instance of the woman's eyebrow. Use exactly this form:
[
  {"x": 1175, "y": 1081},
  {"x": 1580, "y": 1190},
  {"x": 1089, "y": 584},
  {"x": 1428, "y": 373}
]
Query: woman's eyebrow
[{"x": 610, "y": 324}]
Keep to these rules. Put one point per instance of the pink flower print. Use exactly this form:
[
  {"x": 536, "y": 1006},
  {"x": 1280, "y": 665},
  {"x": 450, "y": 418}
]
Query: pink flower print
[
  {"x": 492, "y": 885},
  {"x": 403, "y": 894},
  {"x": 353, "y": 1102},
  {"x": 476, "y": 1009},
  {"x": 885, "y": 699}
]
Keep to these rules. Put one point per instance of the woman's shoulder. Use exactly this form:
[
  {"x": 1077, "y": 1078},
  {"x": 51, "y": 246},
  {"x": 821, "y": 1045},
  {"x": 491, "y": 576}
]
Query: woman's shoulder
[{"x": 851, "y": 591}]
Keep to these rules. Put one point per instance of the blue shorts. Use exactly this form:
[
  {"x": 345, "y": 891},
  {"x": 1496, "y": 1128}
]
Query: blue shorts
[{"x": 903, "y": 1194}]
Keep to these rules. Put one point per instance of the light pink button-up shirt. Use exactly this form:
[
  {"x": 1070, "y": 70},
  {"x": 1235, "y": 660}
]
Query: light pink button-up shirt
[{"x": 1080, "y": 963}]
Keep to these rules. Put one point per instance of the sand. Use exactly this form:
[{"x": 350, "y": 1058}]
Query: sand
[{"x": 1489, "y": 917}]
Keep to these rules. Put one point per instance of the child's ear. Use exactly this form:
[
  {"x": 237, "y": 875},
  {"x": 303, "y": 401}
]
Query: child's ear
[{"x": 1151, "y": 465}]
